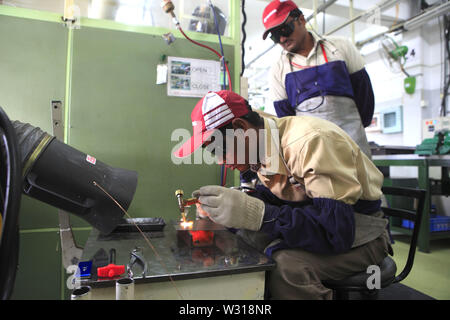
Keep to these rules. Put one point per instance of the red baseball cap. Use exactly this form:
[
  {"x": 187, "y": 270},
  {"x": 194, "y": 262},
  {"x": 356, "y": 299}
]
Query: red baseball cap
[
  {"x": 213, "y": 111},
  {"x": 276, "y": 13}
]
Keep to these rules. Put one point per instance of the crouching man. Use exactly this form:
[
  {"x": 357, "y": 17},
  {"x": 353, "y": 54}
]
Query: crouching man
[{"x": 316, "y": 211}]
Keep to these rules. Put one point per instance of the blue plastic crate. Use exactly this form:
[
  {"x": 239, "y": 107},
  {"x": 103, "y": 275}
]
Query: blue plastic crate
[
  {"x": 407, "y": 224},
  {"x": 437, "y": 223}
]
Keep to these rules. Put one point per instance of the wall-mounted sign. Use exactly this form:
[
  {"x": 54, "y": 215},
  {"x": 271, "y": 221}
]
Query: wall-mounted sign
[
  {"x": 192, "y": 77},
  {"x": 375, "y": 125}
]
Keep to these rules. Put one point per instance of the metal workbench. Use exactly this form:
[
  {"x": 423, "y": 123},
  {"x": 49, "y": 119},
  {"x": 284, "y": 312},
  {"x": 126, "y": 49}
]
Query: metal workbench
[
  {"x": 226, "y": 268},
  {"x": 423, "y": 163}
]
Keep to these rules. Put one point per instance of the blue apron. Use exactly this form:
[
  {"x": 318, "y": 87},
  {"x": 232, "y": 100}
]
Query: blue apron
[{"x": 325, "y": 91}]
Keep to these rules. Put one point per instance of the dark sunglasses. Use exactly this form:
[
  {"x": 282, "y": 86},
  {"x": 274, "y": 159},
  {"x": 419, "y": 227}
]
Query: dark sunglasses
[
  {"x": 221, "y": 151},
  {"x": 216, "y": 150},
  {"x": 285, "y": 30}
]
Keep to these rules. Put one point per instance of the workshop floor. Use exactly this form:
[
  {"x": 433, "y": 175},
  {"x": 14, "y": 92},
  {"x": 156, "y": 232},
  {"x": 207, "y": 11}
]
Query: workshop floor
[{"x": 431, "y": 271}]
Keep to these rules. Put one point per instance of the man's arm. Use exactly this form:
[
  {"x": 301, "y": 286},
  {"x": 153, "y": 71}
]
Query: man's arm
[
  {"x": 364, "y": 97},
  {"x": 325, "y": 225},
  {"x": 362, "y": 86},
  {"x": 278, "y": 91},
  {"x": 322, "y": 225}
]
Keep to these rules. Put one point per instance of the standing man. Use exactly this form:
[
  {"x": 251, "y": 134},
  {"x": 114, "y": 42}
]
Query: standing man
[
  {"x": 317, "y": 209},
  {"x": 317, "y": 76}
]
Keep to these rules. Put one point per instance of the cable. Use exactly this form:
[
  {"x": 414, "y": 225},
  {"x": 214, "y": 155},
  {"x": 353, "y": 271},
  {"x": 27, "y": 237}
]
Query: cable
[
  {"x": 211, "y": 49},
  {"x": 221, "y": 57},
  {"x": 9, "y": 241},
  {"x": 446, "y": 61},
  {"x": 223, "y": 169},
  {"x": 443, "y": 65},
  {"x": 220, "y": 44},
  {"x": 244, "y": 37},
  {"x": 160, "y": 260}
]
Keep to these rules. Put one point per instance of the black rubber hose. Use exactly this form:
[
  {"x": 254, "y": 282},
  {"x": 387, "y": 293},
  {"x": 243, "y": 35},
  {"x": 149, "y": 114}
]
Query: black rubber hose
[
  {"x": 9, "y": 241},
  {"x": 29, "y": 138},
  {"x": 61, "y": 176}
]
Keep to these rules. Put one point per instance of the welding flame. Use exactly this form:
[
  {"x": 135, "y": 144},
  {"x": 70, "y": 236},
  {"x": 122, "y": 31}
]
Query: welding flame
[{"x": 185, "y": 224}]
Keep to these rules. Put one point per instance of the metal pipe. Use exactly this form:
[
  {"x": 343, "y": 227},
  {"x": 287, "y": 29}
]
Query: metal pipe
[
  {"x": 426, "y": 16},
  {"x": 125, "y": 289},
  {"x": 315, "y": 13},
  {"x": 321, "y": 8},
  {"x": 82, "y": 293},
  {"x": 362, "y": 43},
  {"x": 351, "y": 17},
  {"x": 407, "y": 25},
  {"x": 380, "y": 6}
]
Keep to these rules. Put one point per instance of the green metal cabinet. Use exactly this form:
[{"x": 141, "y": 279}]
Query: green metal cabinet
[
  {"x": 105, "y": 76},
  {"x": 423, "y": 182}
]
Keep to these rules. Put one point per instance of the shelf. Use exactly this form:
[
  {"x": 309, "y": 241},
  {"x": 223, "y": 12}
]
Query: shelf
[
  {"x": 433, "y": 235},
  {"x": 440, "y": 235},
  {"x": 401, "y": 230}
]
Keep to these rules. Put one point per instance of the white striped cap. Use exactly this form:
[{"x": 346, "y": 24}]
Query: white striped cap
[{"x": 213, "y": 111}]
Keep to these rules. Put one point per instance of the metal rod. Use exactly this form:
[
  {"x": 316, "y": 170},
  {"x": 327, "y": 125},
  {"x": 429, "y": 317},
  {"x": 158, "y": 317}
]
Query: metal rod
[
  {"x": 427, "y": 15},
  {"x": 380, "y": 6},
  {"x": 442, "y": 9},
  {"x": 351, "y": 17},
  {"x": 315, "y": 13},
  {"x": 323, "y": 7},
  {"x": 396, "y": 27}
]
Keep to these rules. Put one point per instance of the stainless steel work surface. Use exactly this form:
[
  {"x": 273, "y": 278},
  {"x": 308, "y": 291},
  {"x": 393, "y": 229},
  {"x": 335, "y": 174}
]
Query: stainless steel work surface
[{"x": 180, "y": 254}]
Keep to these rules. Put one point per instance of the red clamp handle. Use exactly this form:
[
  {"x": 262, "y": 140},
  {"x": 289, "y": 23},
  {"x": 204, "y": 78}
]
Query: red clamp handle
[{"x": 111, "y": 270}]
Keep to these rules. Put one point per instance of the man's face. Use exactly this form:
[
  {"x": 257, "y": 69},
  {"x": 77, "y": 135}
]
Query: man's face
[
  {"x": 231, "y": 152},
  {"x": 238, "y": 157},
  {"x": 295, "y": 41},
  {"x": 237, "y": 149}
]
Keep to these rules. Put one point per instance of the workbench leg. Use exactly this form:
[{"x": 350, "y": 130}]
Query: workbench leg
[{"x": 424, "y": 232}]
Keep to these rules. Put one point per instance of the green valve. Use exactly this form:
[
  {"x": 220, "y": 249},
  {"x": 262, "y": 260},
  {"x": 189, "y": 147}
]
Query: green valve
[{"x": 410, "y": 84}]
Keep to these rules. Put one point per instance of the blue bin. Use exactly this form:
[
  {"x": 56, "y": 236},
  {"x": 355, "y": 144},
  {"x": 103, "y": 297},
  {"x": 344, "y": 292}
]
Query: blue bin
[{"x": 437, "y": 223}]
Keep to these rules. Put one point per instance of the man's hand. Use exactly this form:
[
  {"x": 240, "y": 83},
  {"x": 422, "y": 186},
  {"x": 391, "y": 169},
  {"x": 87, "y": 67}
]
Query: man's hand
[
  {"x": 231, "y": 208},
  {"x": 201, "y": 213}
]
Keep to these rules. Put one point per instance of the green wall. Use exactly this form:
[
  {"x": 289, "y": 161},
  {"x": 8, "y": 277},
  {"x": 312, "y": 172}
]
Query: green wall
[
  {"x": 116, "y": 113},
  {"x": 32, "y": 73},
  {"x": 119, "y": 115}
]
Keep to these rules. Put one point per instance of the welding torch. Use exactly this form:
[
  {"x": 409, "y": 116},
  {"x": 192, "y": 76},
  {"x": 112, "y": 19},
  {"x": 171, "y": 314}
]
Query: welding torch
[{"x": 183, "y": 203}]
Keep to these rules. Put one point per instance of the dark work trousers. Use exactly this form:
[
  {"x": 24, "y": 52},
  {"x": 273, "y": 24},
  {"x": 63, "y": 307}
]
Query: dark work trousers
[{"x": 299, "y": 273}]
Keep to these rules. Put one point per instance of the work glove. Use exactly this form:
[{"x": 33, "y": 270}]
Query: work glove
[{"x": 231, "y": 208}]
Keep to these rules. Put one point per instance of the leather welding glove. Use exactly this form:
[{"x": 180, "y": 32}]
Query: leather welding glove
[{"x": 231, "y": 208}]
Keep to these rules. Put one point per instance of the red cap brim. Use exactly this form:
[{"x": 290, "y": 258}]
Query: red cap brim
[
  {"x": 274, "y": 26},
  {"x": 195, "y": 142}
]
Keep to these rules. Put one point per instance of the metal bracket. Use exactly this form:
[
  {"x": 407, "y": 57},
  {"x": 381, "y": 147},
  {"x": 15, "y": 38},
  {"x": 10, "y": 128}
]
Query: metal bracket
[
  {"x": 71, "y": 253},
  {"x": 57, "y": 120}
]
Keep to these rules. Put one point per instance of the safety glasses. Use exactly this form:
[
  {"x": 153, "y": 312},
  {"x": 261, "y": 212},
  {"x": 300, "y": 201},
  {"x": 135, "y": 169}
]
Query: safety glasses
[
  {"x": 219, "y": 150},
  {"x": 216, "y": 150},
  {"x": 285, "y": 30}
]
